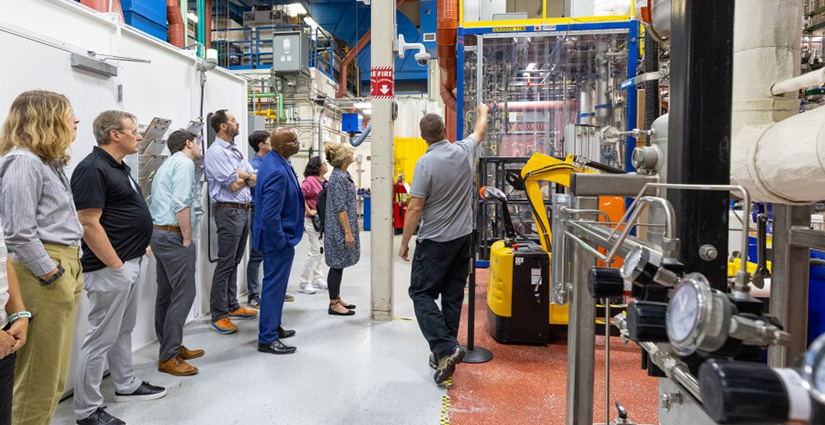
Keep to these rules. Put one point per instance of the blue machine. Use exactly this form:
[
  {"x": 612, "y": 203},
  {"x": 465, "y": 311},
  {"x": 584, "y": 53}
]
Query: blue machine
[{"x": 352, "y": 122}]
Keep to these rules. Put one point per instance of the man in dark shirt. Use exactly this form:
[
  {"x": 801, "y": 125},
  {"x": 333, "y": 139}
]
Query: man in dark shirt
[{"x": 117, "y": 229}]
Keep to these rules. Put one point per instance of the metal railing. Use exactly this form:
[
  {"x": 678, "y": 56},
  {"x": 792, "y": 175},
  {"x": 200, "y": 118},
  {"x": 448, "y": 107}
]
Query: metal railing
[{"x": 256, "y": 46}]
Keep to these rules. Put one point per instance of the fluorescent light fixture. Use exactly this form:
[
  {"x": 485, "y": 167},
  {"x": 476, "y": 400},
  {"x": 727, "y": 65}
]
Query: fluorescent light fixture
[
  {"x": 192, "y": 17},
  {"x": 296, "y": 9},
  {"x": 367, "y": 111},
  {"x": 311, "y": 22},
  {"x": 362, "y": 105}
]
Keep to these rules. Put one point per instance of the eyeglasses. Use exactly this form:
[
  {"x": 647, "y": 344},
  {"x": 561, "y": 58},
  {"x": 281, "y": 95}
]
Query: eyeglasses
[
  {"x": 237, "y": 153},
  {"x": 132, "y": 132}
]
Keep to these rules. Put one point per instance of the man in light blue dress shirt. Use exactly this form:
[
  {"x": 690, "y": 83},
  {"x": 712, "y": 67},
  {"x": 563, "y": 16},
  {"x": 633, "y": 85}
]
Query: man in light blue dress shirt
[
  {"x": 173, "y": 199},
  {"x": 229, "y": 177}
]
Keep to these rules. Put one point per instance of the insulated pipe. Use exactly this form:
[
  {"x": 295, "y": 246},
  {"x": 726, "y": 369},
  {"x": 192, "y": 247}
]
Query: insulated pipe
[
  {"x": 176, "y": 33},
  {"x": 792, "y": 85},
  {"x": 446, "y": 39},
  {"x": 762, "y": 159}
]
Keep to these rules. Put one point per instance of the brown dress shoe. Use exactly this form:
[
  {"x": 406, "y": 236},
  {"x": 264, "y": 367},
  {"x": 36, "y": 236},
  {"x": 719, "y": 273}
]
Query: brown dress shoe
[
  {"x": 176, "y": 366},
  {"x": 187, "y": 354}
]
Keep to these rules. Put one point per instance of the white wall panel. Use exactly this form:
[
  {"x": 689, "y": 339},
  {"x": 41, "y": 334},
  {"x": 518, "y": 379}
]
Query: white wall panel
[{"x": 38, "y": 36}]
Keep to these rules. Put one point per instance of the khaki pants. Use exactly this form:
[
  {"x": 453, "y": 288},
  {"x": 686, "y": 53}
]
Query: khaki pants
[{"x": 42, "y": 364}]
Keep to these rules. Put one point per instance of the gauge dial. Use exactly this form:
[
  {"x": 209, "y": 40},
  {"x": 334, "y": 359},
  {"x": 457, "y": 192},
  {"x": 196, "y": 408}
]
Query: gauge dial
[
  {"x": 813, "y": 369},
  {"x": 631, "y": 263},
  {"x": 683, "y": 313}
]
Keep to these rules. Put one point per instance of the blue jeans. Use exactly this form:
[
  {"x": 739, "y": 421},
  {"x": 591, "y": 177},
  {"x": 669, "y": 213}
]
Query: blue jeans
[
  {"x": 277, "y": 265},
  {"x": 254, "y": 265}
]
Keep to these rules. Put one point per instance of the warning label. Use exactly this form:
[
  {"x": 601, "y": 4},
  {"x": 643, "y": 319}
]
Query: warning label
[{"x": 382, "y": 81}]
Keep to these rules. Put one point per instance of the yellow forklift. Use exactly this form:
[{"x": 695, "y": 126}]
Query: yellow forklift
[{"x": 518, "y": 291}]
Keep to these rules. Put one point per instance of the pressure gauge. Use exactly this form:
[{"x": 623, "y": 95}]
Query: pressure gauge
[
  {"x": 698, "y": 318},
  {"x": 640, "y": 265},
  {"x": 813, "y": 369}
]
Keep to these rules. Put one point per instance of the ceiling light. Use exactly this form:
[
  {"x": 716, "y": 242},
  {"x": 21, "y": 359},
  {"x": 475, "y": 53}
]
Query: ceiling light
[
  {"x": 311, "y": 22},
  {"x": 296, "y": 9},
  {"x": 367, "y": 111},
  {"x": 531, "y": 66},
  {"x": 192, "y": 17},
  {"x": 362, "y": 105}
]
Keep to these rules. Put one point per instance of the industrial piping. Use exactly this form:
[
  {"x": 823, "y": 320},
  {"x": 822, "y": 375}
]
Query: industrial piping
[
  {"x": 342, "y": 78},
  {"x": 775, "y": 153},
  {"x": 175, "y": 34},
  {"x": 446, "y": 38}
]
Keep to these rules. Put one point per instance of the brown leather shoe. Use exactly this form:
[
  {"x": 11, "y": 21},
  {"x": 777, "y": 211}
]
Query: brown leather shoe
[
  {"x": 187, "y": 354},
  {"x": 176, "y": 366}
]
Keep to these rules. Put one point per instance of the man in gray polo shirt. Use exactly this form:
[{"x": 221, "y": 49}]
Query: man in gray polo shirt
[{"x": 442, "y": 201}]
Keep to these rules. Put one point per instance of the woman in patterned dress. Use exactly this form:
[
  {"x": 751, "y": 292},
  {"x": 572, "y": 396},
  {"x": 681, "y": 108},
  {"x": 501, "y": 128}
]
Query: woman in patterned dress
[{"x": 342, "y": 247}]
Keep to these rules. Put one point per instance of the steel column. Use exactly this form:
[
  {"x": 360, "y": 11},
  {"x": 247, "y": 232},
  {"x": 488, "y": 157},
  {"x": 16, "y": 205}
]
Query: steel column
[
  {"x": 700, "y": 124},
  {"x": 789, "y": 283},
  {"x": 382, "y": 248},
  {"x": 581, "y": 330}
]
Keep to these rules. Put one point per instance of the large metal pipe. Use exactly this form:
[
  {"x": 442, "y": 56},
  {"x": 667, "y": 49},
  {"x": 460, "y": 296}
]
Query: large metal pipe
[
  {"x": 176, "y": 35},
  {"x": 446, "y": 39}
]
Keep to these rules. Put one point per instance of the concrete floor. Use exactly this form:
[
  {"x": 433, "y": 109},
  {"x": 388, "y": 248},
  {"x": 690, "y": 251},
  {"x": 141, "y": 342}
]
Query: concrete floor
[{"x": 347, "y": 370}]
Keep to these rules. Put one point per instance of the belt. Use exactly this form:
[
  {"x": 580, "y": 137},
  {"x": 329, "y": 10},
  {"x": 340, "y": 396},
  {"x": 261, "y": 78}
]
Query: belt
[
  {"x": 169, "y": 228},
  {"x": 232, "y": 205}
]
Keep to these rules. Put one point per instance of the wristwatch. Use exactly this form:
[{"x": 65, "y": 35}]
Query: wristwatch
[
  {"x": 60, "y": 271},
  {"x": 21, "y": 315}
]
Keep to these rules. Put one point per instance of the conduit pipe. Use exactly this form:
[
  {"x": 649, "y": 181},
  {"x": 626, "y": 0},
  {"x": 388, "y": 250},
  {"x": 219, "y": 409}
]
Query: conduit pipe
[
  {"x": 446, "y": 39},
  {"x": 776, "y": 154},
  {"x": 342, "y": 78},
  {"x": 208, "y": 26},
  {"x": 176, "y": 33}
]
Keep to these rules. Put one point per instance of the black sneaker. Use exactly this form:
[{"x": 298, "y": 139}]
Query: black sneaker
[
  {"x": 433, "y": 362},
  {"x": 145, "y": 391},
  {"x": 447, "y": 364},
  {"x": 100, "y": 417}
]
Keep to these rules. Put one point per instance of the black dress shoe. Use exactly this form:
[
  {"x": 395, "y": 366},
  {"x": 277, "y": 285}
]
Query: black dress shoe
[
  {"x": 276, "y": 347},
  {"x": 285, "y": 333}
]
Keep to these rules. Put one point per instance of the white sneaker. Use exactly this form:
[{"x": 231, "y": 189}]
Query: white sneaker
[
  {"x": 306, "y": 289},
  {"x": 320, "y": 284}
]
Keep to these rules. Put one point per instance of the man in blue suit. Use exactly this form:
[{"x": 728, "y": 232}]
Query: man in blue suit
[{"x": 278, "y": 227}]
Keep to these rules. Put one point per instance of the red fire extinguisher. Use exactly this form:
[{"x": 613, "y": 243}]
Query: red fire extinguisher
[{"x": 399, "y": 204}]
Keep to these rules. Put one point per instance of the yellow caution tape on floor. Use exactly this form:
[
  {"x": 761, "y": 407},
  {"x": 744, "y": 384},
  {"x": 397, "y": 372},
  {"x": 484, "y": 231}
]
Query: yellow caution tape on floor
[
  {"x": 445, "y": 406},
  {"x": 409, "y": 319}
]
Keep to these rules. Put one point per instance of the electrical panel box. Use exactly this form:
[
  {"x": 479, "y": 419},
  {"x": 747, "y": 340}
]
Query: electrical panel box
[
  {"x": 290, "y": 51},
  {"x": 352, "y": 123}
]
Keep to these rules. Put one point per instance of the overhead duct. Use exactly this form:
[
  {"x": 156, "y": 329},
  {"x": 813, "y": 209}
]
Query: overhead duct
[
  {"x": 176, "y": 34},
  {"x": 775, "y": 153},
  {"x": 105, "y": 6},
  {"x": 446, "y": 39}
]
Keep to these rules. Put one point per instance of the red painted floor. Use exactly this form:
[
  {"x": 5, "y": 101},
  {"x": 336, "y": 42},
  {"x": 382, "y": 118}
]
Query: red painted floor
[{"x": 526, "y": 384}]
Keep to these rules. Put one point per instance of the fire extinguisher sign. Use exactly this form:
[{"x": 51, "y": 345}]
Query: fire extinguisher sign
[{"x": 381, "y": 82}]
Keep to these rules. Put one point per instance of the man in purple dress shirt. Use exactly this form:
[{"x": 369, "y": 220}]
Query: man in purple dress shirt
[{"x": 229, "y": 177}]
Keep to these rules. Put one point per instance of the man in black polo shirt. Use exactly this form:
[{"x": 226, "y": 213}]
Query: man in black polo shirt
[{"x": 117, "y": 229}]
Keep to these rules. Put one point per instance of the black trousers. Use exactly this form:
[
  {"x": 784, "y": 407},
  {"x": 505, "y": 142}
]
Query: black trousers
[
  {"x": 440, "y": 269},
  {"x": 6, "y": 387}
]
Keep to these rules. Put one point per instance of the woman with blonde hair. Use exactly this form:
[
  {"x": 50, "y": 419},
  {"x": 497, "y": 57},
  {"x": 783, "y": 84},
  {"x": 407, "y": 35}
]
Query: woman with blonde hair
[
  {"x": 43, "y": 233},
  {"x": 342, "y": 247}
]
